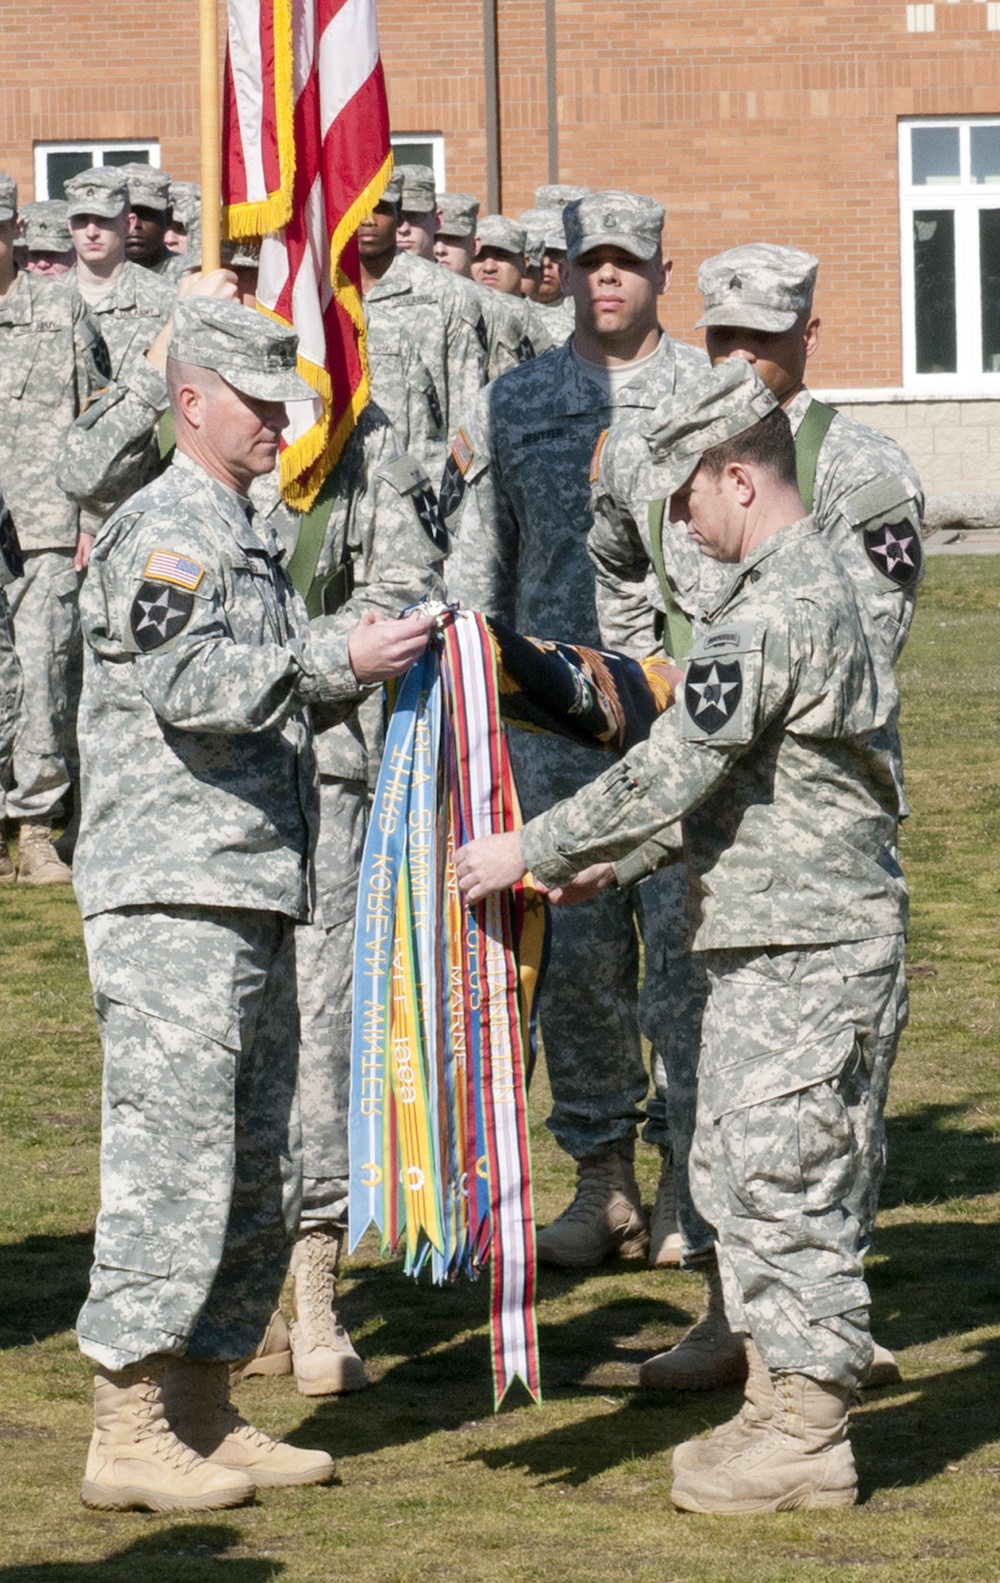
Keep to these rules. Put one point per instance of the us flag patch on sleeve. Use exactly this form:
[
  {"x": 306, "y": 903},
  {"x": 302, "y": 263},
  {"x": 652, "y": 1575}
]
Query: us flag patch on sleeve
[
  {"x": 164, "y": 566},
  {"x": 462, "y": 452}
]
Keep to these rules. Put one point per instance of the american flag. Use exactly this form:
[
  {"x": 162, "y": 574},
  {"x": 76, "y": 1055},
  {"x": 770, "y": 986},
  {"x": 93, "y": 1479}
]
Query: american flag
[{"x": 305, "y": 157}]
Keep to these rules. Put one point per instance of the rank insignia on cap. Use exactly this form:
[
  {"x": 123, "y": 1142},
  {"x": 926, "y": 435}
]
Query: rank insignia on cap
[
  {"x": 158, "y": 614},
  {"x": 894, "y": 550},
  {"x": 595, "y": 460},
  {"x": 167, "y": 567},
  {"x": 462, "y": 452},
  {"x": 736, "y": 284},
  {"x": 712, "y": 692}
]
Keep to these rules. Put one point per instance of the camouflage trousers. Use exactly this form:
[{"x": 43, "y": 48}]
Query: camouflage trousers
[
  {"x": 326, "y": 970},
  {"x": 591, "y": 1005},
  {"x": 10, "y": 692},
  {"x": 671, "y": 1009},
  {"x": 47, "y": 637},
  {"x": 200, "y": 1144},
  {"x": 791, "y": 1091}
]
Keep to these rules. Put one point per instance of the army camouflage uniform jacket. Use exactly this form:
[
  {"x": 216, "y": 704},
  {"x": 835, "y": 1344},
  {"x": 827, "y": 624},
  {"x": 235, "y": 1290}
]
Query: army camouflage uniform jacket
[
  {"x": 52, "y": 363},
  {"x": 867, "y": 501},
  {"x": 131, "y": 314},
  {"x": 402, "y": 386},
  {"x": 446, "y": 323},
  {"x": 197, "y": 766},
  {"x": 516, "y": 491},
  {"x": 778, "y": 755}
]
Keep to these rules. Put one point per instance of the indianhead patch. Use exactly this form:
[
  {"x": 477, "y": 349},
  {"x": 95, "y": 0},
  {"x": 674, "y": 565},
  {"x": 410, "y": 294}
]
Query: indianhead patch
[
  {"x": 712, "y": 691},
  {"x": 159, "y": 612},
  {"x": 165, "y": 566},
  {"x": 429, "y": 513},
  {"x": 894, "y": 550},
  {"x": 595, "y": 460}
]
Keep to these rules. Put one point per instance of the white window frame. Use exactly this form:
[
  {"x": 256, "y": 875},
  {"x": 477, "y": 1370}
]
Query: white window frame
[
  {"x": 94, "y": 149},
  {"x": 436, "y": 139},
  {"x": 966, "y": 200}
]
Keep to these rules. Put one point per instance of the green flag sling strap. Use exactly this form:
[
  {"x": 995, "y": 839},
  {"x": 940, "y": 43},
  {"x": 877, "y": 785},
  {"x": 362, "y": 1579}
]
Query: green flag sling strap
[
  {"x": 323, "y": 595},
  {"x": 809, "y": 439},
  {"x": 676, "y": 625}
]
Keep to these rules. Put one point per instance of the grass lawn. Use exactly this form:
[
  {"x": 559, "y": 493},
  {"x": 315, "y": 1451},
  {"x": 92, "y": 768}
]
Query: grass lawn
[{"x": 432, "y": 1484}]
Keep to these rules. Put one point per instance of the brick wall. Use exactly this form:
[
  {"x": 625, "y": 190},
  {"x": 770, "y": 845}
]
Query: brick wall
[{"x": 767, "y": 119}]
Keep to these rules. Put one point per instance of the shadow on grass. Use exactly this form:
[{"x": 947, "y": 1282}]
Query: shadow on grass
[
  {"x": 899, "y": 1441},
  {"x": 181, "y": 1554},
  {"x": 44, "y": 1282},
  {"x": 932, "y": 1157}
]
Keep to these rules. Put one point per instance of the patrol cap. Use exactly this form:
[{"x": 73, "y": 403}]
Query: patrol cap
[
  {"x": 393, "y": 194},
  {"x": 241, "y": 254},
  {"x": 729, "y": 399},
  {"x": 147, "y": 186},
  {"x": 544, "y": 230},
  {"x": 185, "y": 201},
  {"x": 761, "y": 286},
  {"x": 614, "y": 219},
  {"x": 252, "y": 352},
  {"x": 8, "y": 196},
  {"x": 557, "y": 195},
  {"x": 458, "y": 214},
  {"x": 495, "y": 230},
  {"x": 418, "y": 191},
  {"x": 102, "y": 191},
  {"x": 45, "y": 228}
]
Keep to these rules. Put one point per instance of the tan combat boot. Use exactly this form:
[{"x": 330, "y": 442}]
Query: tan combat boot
[
  {"x": 707, "y": 1356},
  {"x": 196, "y": 1398},
  {"x": 40, "y": 863},
  {"x": 730, "y": 1437},
  {"x": 604, "y": 1219},
  {"x": 802, "y": 1459},
  {"x": 135, "y": 1459},
  {"x": 323, "y": 1357},
  {"x": 8, "y": 873},
  {"x": 664, "y": 1236},
  {"x": 273, "y": 1355}
]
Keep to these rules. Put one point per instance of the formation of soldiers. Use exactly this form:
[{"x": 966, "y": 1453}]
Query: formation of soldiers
[{"x": 520, "y": 454}]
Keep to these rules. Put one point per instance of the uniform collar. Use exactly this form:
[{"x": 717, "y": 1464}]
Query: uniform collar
[
  {"x": 749, "y": 570},
  {"x": 236, "y": 511},
  {"x": 17, "y": 306},
  {"x": 797, "y": 408},
  {"x": 574, "y": 390}
]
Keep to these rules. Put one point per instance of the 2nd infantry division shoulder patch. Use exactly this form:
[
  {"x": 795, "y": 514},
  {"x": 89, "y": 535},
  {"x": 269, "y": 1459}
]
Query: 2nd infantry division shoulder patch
[
  {"x": 712, "y": 692},
  {"x": 159, "y": 612},
  {"x": 894, "y": 549}
]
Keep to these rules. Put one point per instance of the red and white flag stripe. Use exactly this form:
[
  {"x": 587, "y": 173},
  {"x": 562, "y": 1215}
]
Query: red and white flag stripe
[{"x": 323, "y": 98}]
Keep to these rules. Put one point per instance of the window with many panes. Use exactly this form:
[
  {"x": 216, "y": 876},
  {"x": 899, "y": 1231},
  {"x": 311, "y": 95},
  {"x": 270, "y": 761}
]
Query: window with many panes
[
  {"x": 55, "y": 163},
  {"x": 950, "y": 203},
  {"x": 421, "y": 148}
]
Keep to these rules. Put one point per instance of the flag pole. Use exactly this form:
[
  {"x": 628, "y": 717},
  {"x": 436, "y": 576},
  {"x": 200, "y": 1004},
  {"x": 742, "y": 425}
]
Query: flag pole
[{"x": 211, "y": 134}]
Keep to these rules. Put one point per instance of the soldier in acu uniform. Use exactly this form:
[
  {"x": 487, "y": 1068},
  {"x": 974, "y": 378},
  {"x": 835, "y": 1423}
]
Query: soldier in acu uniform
[
  {"x": 52, "y": 362},
  {"x": 510, "y": 325},
  {"x": 149, "y": 219},
  {"x": 778, "y": 758},
  {"x": 446, "y": 322},
  {"x": 516, "y": 493},
  {"x": 11, "y": 689},
  {"x": 866, "y": 499},
  {"x": 49, "y": 252},
  {"x": 194, "y": 869}
]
